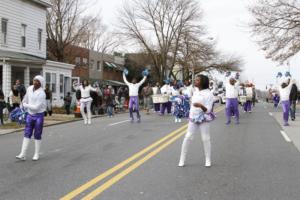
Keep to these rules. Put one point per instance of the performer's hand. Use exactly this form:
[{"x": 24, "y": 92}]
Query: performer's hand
[{"x": 125, "y": 72}]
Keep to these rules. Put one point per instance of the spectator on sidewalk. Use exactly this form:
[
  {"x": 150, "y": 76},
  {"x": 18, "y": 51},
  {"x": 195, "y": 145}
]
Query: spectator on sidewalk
[
  {"x": 21, "y": 88},
  {"x": 48, "y": 93},
  {"x": 293, "y": 100},
  {"x": 110, "y": 101},
  {"x": 68, "y": 101},
  {"x": 156, "y": 91},
  {"x": 285, "y": 91},
  {"x": 14, "y": 98},
  {"x": 147, "y": 92},
  {"x": 2, "y": 106}
]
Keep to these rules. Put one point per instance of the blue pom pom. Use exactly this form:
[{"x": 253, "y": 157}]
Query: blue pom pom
[
  {"x": 279, "y": 75},
  {"x": 125, "y": 72},
  {"x": 288, "y": 74},
  {"x": 228, "y": 74},
  {"x": 145, "y": 72}
]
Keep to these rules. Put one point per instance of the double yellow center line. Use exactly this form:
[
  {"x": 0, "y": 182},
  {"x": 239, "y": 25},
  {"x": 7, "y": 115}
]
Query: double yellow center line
[{"x": 152, "y": 150}]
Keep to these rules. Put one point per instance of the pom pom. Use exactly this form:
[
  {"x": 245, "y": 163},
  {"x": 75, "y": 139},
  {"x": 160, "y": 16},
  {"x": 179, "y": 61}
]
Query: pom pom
[
  {"x": 288, "y": 74},
  {"x": 228, "y": 74},
  {"x": 279, "y": 75},
  {"x": 145, "y": 72},
  {"x": 125, "y": 72}
]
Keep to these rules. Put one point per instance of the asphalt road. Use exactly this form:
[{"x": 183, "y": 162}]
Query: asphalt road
[{"x": 250, "y": 161}]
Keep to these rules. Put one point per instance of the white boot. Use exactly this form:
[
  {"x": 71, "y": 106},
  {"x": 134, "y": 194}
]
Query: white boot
[
  {"x": 175, "y": 120},
  {"x": 207, "y": 153},
  {"x": 22, "y": 155},
  {"x": 184, "y": 149},
  {"x": 179, "y": 120},
  {"x": 89, "y": 121},
  {"x": 37, "y": 144}
]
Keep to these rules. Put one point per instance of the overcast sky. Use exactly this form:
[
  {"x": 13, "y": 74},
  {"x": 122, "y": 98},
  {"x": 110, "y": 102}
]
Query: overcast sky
[{"x": 226, "y": 22}]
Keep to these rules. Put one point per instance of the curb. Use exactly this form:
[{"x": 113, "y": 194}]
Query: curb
[{"x": 49, "y": 125}]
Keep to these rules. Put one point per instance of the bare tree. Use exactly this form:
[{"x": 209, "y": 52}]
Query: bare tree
[
  {"x": 276, "y": 27},
  {"x": 157, "y": 26},
  {"x": 97, "y": 37},
  {"x": 64, "y": 26}
]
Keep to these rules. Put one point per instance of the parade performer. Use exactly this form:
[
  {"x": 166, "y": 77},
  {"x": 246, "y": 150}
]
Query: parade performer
[
  {"x": 284, "y": 92},
  {"x": 249, "y": 98},
  {"x": 134, "y": 93},
  {"x": 181, "y": 106},
  {"x": 85, "y": 100},
  {"x": 199, "y": 118},
  {"x": 188, "y": 89},
  {"x": 156, "y": 91},
  {"x": 35, "y": 103},
  {"x": 166, "y": 90},
  {"x": 232, "y": 91}
]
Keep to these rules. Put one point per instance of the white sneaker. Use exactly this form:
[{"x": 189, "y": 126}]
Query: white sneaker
[
  {"x": 181, "y": 164},
  {"x": 89, "y": 122},
  {"x": 179, "y": 120},
  {"x": 175, "y": 120},
  {"x": 85, "y": 122},
  {"x": 207, "y": 163}
]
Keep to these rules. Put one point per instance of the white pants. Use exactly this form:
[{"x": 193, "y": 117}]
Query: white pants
[
  {"x": 88, "y": 109},
  {"x": 205, "y": 135}
]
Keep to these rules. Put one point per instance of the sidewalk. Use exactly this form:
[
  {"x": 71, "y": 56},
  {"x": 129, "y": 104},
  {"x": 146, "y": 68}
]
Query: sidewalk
[{"x": 293, "y": 131}]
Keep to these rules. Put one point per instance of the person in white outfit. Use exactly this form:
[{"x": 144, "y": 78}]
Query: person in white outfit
[
  {"x": 134, "y": 95},
  {"x": 285, "y": 88},
  {"x": 85, "y": 100},
  {"x": 34, "y": 103},
  {"x": 200, "y": 116}
]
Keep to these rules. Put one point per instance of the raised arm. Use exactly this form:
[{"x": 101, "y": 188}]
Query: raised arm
[
  {"x": 142, "y": 81},
  {"x": 125, "y": 79},
  {"x": 76, "y": 86}
]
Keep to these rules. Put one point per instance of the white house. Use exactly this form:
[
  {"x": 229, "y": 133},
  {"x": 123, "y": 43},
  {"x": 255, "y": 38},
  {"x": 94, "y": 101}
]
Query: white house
[{"x": 23, "y": 47}]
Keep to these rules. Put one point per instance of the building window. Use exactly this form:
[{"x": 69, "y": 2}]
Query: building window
[
  {"x": 23, "y": 35},
  {"x": 61, "y": 83},
  {"x": 84, "y": 60},
  {"x": 98, "y": 66},
  {"x": 77, "y": 60},
  {"x": 40, "y": 31},
  {"x": 51, "y": 81},
  {"x": 92, "y": 64},
  {"x": 4, "y": 30}
]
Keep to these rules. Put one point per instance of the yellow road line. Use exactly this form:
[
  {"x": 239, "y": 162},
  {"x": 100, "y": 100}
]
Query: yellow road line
[
  {"x": 131, "y": 168},
  {"x": 97, "y": 179},
  {"x": 110, "y": 171}
]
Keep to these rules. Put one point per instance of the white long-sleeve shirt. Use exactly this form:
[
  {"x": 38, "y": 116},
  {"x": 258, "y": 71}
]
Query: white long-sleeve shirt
[
  {"x": 206, "y": 98},
  {"x": 134, "y": 88},
  {"x": 188, "y": 90},
  {"x": 232, "y": 91},
  {"x": 166, "y": 89},
  {"x": 156, "y": 90},
  {"x": 85, "y": 92},
  {"x": 35, "y": 100},
  {"x": 249, "y": 92},
  {"x": 285, "y": 92}
]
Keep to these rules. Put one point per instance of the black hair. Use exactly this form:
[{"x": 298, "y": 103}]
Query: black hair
[
  {"x": 204, "y": 81},
  {"x": 87, "y": 81}
]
